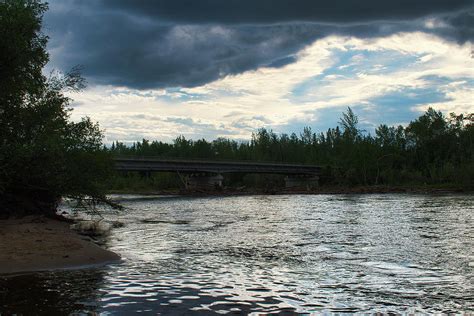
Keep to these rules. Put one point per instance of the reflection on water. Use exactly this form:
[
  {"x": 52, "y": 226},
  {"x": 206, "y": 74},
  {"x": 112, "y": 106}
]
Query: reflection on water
[
  {"x": 50, "y": 293},
  {"x": 271, "y": 254}
]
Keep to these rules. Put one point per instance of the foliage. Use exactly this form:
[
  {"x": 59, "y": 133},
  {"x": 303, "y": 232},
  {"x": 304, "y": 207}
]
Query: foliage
[
  {"x": 43, "y": 155},
  {"x": 432, "y": 149}
]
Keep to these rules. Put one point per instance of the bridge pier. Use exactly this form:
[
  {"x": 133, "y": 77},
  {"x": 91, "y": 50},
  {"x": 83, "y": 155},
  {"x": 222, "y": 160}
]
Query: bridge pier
[
  {"x": 301, "y": 181},
  {"x": 203, "y": 181}
]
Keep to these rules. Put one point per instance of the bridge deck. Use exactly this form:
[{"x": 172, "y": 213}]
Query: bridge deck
[{"x": 196, "y": 166}]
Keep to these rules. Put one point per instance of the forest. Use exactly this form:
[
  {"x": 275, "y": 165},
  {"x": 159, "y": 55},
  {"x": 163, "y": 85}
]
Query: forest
[{"x": 432, "y": 150}]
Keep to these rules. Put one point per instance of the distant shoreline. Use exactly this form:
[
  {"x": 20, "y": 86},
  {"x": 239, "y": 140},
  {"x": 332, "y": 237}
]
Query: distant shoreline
[
  {"x": 36, "y": 243},
  {"x": 316, "y": 191}
]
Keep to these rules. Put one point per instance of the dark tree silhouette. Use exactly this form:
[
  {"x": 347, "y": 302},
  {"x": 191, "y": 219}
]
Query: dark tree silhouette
[{"x": 43, "y": 155}]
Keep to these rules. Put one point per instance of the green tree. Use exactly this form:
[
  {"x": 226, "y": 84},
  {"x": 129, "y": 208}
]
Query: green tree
[
  {"x": 43, "y": 155},
  {"x": 349, "y": 123}
]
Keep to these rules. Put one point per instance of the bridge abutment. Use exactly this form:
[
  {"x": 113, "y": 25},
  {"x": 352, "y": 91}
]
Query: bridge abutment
[{"x": 301, "y": 181}]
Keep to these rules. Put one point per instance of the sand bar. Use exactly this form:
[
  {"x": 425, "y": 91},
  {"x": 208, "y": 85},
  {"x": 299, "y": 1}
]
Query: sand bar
[{"x": 37, "y": 244}]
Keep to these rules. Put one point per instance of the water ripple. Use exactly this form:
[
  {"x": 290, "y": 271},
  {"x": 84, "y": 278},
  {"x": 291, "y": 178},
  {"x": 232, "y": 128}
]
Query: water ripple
[{"x": 276, "y": 254}]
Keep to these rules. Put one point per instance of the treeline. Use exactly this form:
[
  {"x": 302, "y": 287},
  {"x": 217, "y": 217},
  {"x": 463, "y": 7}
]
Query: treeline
[{"x": 433, "y": 149}]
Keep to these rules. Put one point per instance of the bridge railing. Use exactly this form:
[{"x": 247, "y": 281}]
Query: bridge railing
[{"x": 150, "y": 164}]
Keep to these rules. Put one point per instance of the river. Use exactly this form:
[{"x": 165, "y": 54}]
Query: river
[{"x": 282, "y": 254}]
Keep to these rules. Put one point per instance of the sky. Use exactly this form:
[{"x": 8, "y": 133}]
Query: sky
[{"x": 158, "y": 69}]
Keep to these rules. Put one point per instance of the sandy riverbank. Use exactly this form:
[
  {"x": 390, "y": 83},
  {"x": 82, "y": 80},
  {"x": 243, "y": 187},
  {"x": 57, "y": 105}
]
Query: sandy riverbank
[{"x": 38, "y": 243}]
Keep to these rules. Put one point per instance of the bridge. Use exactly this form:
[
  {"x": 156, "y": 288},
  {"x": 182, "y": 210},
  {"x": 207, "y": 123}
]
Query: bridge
[{"x": 201, "y": 173}]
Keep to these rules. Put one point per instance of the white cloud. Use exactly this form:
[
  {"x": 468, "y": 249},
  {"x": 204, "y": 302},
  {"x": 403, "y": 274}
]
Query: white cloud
[{"x": 232, "y": 106}]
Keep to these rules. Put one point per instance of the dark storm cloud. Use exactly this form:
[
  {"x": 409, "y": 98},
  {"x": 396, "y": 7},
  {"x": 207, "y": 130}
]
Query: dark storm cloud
[
  {"x": 152, "y": 44},
  {"x": 462, "y": 25},
  {"x": 277, "y": 11}
]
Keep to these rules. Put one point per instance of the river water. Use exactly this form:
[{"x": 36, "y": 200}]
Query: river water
[{"x": 287, "y": 254}]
